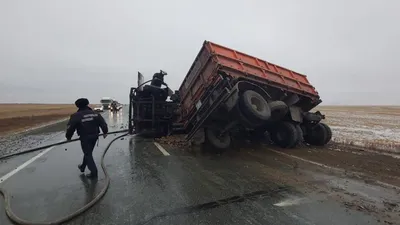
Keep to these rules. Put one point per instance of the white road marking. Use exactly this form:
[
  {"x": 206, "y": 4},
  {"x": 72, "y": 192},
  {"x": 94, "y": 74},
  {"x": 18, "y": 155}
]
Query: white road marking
[
  {"x": 16, "y": 170},
  {"x": 162, "y": 150},
  {"x": 305, "y": 160},
  {"x": 333, "y": 168},
  {"x": 393, "y": 155}
]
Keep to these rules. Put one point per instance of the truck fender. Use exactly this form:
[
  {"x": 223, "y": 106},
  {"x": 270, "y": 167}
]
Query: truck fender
[
  {"x": 291, "y": 99},
  {"x": 296, "y": 114}
]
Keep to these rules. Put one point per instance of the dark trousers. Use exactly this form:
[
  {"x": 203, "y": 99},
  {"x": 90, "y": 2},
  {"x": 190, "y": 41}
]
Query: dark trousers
[{"x": 88, "y": 145}]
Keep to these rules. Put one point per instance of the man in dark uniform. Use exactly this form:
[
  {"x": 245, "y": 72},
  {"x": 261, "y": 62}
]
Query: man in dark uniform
[{"x": 86, "y": 122}]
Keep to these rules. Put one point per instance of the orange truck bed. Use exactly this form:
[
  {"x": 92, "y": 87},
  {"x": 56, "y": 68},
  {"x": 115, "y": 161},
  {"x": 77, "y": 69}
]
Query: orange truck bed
[{"x": 213, "y": 58}]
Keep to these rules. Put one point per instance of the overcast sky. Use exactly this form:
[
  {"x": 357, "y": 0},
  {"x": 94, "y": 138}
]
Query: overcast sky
[{"x": 57, "y": 51}]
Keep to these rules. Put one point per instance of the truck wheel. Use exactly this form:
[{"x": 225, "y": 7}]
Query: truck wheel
[
  {"x": 299, "y": 131},
  {"x": 217, "y": 140},
  {"x": 285, "y": 135},
  {"x": 244, "y": 120},
  {"x": 278, "y": 110},
  {"x": 317, "y": 135},
  {"x": 257, "y": 134},
  {"x": 328, "y": 132},
  {"x": 255, "y": 106}
]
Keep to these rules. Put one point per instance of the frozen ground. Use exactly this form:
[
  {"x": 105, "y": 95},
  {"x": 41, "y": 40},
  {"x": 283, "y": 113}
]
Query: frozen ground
[{"x": 375, "y": 127}]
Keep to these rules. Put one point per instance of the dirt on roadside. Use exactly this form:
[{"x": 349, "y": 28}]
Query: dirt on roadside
[{"x": 376, "y": 166}]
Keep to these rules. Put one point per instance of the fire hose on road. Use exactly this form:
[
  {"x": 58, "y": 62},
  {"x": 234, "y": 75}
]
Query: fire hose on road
[{"x": 19, "y": 220}]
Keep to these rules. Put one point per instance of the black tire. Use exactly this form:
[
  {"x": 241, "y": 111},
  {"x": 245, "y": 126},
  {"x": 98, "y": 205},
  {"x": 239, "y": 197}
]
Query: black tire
[
  {"x": 317, "y": 135},
  {"x": 300, "y": 136},
  {"x": 285, "y": 135},
  {"x": 278, "y": 110},
  {"x": 246, "y": 121},
  {"x": 215, "y": 140},
  {"x": 258, "y": 134},
  {"x": 328, "y": 133},
  {"x": 255, "y": 106}
]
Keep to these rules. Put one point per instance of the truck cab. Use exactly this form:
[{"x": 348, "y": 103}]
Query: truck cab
[{"x": 106, "y": 103}]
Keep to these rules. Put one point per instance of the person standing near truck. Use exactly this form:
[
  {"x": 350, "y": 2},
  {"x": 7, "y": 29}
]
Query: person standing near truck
[{"x": 86, "y": 122}]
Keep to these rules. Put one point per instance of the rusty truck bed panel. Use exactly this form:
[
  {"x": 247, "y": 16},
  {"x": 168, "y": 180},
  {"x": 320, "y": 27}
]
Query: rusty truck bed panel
[
  {"x": 252, "y": 66},
  {"x": 213, "y": 57}
]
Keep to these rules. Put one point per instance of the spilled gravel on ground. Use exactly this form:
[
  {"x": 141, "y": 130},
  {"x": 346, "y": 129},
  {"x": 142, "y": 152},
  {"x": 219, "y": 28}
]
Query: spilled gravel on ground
[
  {"x": 21, "y": 142},
  {"x": 31, "y": 139}
]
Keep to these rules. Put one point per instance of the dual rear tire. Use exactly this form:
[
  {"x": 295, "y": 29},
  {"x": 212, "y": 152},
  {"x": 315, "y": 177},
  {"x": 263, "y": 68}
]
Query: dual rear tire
[
  {"x": 320, "y": 134},
  {"x": 255, "y": 112},
  {"x": 286, "y": 134},
  {"x": 289, "y": 135}
]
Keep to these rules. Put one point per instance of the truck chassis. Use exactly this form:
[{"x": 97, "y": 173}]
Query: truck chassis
[{"x": 227, "y": 92}]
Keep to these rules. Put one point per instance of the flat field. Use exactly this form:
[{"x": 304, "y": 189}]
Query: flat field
[
  {"x": 374, "y": 127},
  {"x": 17, "y": 117}
]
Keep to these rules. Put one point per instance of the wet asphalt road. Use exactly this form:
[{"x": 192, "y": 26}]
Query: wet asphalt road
[{"x": 148, "y": 187}]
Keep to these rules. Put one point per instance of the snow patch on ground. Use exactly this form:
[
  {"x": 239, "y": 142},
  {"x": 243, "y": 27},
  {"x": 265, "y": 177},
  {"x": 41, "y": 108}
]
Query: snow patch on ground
[{"x": 375, "y": 129}]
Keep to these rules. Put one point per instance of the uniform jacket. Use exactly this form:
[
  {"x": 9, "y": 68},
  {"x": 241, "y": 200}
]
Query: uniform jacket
[{"x": 86, "y": 122}]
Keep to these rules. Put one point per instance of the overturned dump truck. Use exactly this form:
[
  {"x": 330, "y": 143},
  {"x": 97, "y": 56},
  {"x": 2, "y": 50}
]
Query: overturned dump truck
[{"x": 228, "y": 93}]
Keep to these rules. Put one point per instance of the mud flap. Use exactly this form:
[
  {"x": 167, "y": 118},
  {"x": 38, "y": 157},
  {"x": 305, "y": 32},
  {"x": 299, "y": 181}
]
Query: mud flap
[{"x": 296, "y": 114}]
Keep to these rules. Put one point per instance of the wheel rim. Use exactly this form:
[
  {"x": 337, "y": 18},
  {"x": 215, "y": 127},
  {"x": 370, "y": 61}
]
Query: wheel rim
[
  {"x": 217, "y": 139},
  {"x": 257, "y": 104},
  {"x": 220, "y": 136}
]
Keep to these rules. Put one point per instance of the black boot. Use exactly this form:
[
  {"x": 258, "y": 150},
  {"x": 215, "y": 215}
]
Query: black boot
[{"x": 81, "y": 168}]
